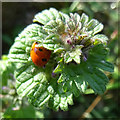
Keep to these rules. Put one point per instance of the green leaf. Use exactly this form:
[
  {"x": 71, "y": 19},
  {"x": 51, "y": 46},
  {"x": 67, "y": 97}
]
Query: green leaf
[
  {"x": 100, "y": 62},
  {"x": 67, "y": 57},
  {"x": 92, "y": 24},
  {"x": 23, "y": 112},
  {"x": 94, "y": 27},
  {"x": 20, "y": 50},
  {"x": 73, "y": 55},
  {"x": 64, "y": 17},
  {"x": 71, "y": 80},
  {"x": 58, "y": 69},
  {"x": 27, "y": 78},
  {"x": 77, "y": 18},
  {"x": 97, "y": 80},
  {"x": 61, "y": 100},
  {"x": 99, "y": 52},
  {"x": 104, "y": 65},
  {"x": 55, "y": 26},
  {"x": 6, "y": 70},
  {"x": 98, "y": 28},
  {"x": 77, "y": 21},
  {"x": 84, "y": 19},
  {"x": 99, "y": 38},
  {"x": 75, "y": 77},
  {"x": 33, "y": 83},
  {"x": 46, "y": 15},
  {"x": 52, "y": 42}
]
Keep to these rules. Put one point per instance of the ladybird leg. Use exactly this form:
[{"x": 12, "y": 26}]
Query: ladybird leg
[{"x": 44, "y": 66}]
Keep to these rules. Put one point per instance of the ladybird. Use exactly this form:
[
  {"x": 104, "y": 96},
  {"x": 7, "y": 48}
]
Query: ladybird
[{"x": 39, "y": 55}]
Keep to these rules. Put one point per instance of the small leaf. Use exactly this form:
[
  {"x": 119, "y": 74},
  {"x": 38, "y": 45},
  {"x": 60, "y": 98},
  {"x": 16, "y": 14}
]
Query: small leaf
[
  {"x": 69, "y": 98},
  {"x": 76, "y": 59},
  {"x": 64, "y": 17},
  {"x": 58, "y": 69},
  {"x": 98, "y": 28},
  {"x": 77, "y": 18},
  {"x": 84, "y": 19},
  {"x": 92, "y": 24},
  {"x": 73, "y": 55},
  {"x": 99, "y": 38},
  {"x": 63, "y": 103},
  {"x": 75, "y": 90},
  {"x": 67, "y": 57},
  {"x": 94, "y": 27},
  {"x": 61, "y": 78}
]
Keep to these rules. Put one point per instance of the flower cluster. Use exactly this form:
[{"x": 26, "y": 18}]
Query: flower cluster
[{"x": 75, "y": 34}]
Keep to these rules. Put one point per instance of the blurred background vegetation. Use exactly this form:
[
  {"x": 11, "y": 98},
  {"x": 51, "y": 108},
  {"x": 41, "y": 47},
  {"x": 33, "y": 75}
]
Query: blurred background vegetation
[{"x": 16, "y": 16}]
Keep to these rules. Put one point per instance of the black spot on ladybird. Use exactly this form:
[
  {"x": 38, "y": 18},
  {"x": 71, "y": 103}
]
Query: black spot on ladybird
[
  {"x": 44, "y": 59},
  {"x": 40, "y": 49},
  {"x": 36, "y": 42}
]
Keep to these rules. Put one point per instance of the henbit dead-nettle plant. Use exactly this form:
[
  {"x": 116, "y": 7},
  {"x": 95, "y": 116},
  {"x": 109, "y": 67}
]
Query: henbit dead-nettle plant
[{"x": 77, "y": 59}]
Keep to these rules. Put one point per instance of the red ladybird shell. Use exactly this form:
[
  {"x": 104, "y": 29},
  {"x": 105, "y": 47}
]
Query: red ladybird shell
[{"x": 39, "y": 55}]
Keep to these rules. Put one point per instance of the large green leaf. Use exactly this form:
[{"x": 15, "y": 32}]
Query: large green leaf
[
  {"x": 46, "y": 15},
  {"x": 20, "y": 50},
  {"x": 73, "y": 76},
  {"x": 38, "y": 85}
]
